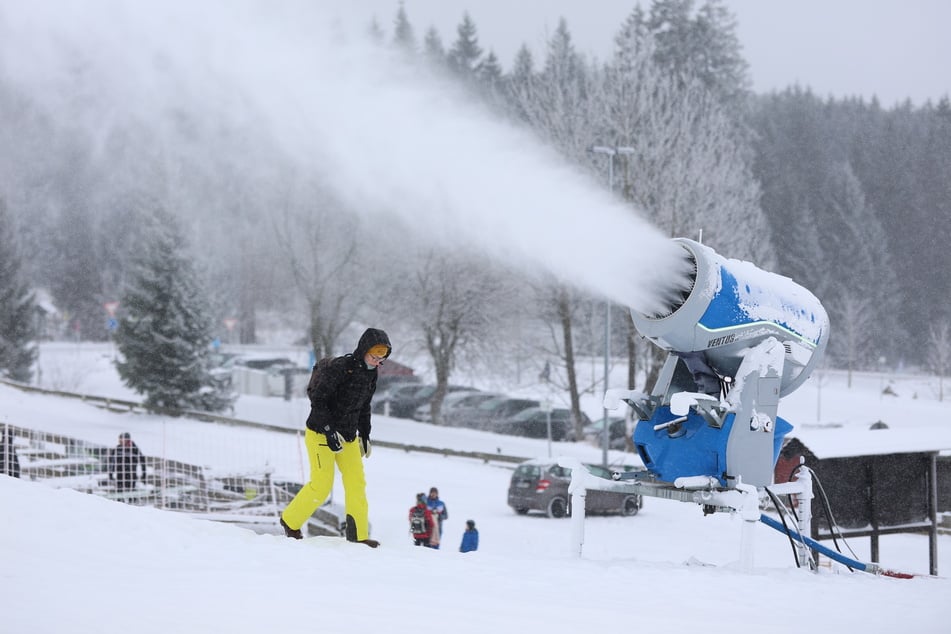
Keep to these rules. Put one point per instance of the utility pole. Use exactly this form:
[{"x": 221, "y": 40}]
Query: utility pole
[{"x": 611, "y": 153}]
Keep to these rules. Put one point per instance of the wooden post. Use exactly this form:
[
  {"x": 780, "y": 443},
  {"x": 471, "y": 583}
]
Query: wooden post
[{"x": 933, "y": 515}]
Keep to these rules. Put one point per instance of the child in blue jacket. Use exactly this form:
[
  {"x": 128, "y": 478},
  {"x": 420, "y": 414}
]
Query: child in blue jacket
[{"x": 470, "y": 538}]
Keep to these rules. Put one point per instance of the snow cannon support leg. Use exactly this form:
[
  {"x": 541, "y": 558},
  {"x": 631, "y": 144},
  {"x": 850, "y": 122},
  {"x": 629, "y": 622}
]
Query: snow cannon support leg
[
  {"x": 750, "y": 513},
  {"x": 743, "y": 499},
  {"x": 578, "y": 493},
  {"x": 804, "y": 502},
  {"x": 801, "y": 488}
]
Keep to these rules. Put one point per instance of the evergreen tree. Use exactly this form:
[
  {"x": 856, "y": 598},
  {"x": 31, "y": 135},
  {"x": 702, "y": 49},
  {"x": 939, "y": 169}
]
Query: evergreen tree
[
  {"x": 702, "y": 44},
  {"x": 801, "y": 255},
  {"x": 465, "y": 53},
  {"x": 164, "y": 330},
  {"x": 792, "y": 160},
  {"x": 433, "y": 50},
  {"x": 558, "y": 101},
  {"x": 517, "y": 82},
  {"x": 523, "y": 68},
  {"x": 852, "y": 171},
  {"x": 687, "y": 164},
  {"x": 17, "y": 321},
  {"x": 374, "y": 31},
  {"x": 855, "y": 239},
  {"x": 683, "y": 162},
  {"x": 931, "y": 167},
  {"x": 939, "y": 354},
  {"x": 403, "y": 37},
  {"x": 489, "y": 74}
]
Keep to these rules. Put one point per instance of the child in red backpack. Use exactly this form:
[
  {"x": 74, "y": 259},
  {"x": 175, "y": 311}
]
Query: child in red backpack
[{"x": 421, "y": 521}]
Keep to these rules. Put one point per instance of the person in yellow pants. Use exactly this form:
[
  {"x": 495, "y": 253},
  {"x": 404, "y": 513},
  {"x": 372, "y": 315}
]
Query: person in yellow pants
[
  {"x": 315, "y": 492},
  {"x": 338, "y": 436}
]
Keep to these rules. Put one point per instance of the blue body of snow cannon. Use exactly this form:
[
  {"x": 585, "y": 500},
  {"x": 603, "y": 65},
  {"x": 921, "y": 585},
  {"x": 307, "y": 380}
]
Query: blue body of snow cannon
[{"x": 692, "y": 446}]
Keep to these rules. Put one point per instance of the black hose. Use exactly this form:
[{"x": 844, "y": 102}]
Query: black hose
[
  {"x": 826, "y": 510},
  {"x": 833, "y": 527},
  {"x": 782, "y": 518}
]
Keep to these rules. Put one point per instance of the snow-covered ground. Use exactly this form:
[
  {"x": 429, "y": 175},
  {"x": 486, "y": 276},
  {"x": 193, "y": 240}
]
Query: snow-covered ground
[{"x": 82, "y": 563}]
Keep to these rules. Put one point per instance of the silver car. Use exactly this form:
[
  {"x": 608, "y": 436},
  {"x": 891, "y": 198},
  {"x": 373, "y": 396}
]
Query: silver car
[{"x": 542, "y": 485}]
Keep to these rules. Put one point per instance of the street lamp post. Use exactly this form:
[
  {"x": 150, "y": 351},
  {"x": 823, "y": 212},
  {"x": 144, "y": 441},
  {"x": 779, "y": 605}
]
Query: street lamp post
[{"x": 610, "y": 152}]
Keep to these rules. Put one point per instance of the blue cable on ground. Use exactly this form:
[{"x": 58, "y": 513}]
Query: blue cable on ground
[{"x": 871, "y": 568}]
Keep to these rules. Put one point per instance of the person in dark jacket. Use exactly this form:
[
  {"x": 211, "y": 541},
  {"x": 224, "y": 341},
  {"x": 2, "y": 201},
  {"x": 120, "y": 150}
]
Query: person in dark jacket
[
  {"x": 9, "y": 462},
  {"x": 124, "y": 461},
  {"x": 470, "y": 538},
  {"x": 338, "y": 433}
]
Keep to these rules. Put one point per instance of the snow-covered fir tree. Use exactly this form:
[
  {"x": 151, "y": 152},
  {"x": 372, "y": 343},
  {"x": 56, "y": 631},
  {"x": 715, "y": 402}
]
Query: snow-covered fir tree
[
  {"x": 164, "y": 328},
  {"x": 465, "y": 53},
  {"x": 17, "y": 323}
]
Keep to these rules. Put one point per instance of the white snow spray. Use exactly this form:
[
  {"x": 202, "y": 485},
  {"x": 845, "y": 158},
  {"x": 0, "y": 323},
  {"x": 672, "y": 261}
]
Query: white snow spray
[{"x": 384, "y": 139}]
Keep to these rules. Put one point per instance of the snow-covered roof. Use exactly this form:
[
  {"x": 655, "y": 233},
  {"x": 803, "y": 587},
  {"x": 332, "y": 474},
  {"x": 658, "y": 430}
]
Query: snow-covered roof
[
  {"x": 44, "y": 300},
  {"x": 846, "y": 443}
]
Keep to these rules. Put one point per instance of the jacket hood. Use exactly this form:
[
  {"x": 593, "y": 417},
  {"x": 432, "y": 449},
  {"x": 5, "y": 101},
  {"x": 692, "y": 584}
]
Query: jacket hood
[{"x": 372, "y": 337}]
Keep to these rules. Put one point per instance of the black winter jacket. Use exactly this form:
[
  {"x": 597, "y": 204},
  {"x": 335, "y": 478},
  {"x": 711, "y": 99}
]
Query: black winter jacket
[
  {"x": 124, "y": 462},
  {"x": 341, "y": 389}
]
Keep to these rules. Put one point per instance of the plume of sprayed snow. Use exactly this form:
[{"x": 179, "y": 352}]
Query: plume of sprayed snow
[{"x": 383, "y": 137}]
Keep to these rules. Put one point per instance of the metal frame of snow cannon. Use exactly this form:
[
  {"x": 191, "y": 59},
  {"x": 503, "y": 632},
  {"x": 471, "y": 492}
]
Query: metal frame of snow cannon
[
  {"x": 704, "y": 491},
  {"x": 738, "y": 339}
]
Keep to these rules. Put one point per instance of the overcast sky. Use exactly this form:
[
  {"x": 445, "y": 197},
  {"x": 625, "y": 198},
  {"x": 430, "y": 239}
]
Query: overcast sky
[{"x": 894, "y": 49}]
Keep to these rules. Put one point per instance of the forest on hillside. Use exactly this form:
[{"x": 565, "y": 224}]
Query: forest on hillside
[{"x": 849, "y": 199}]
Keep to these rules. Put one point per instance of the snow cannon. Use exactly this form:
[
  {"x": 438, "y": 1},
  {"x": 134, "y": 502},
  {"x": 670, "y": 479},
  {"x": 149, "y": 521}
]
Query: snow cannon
[{"x": 738, "y": 339}]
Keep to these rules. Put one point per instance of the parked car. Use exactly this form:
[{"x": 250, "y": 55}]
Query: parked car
[
  {"x": 542, "y": 485},
  {"x": 532, "y": 422},
  {"x": 617, "y": 432},
  {"x": 394, "y": 394},
  {"x": 221, "y": 367},
  {"x": 404, "y": 402},
  {"x": 484, "y": 416},
  {"x": 385, "y": 382},
  {"x": 454, "y": 403},
  {"x": 461, "y": 411}
]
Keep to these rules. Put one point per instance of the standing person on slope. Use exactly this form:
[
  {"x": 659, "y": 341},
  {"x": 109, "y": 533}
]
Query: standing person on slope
[
  {"x": 124, "y": 461},
  {"x": 438, "y": 508},
  {"x": 338, "y": 433},
  {"x": 422, "y": 525}
]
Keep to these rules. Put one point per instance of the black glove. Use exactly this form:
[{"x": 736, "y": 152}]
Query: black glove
[
  {"x": 365, "y": 447},
  {"x": 334, "y": 439}
]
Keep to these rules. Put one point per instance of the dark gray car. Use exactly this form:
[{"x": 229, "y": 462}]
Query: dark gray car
[
  {"x": 453, "y": 406},
  {"x": 532, "y": 422},
  {"x": 542, "y": 485},
  {"x": 484, "y": 416}
]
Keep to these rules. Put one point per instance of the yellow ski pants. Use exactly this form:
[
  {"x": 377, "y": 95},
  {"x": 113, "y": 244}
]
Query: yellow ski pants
[{"x": 315, "y": 492}]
